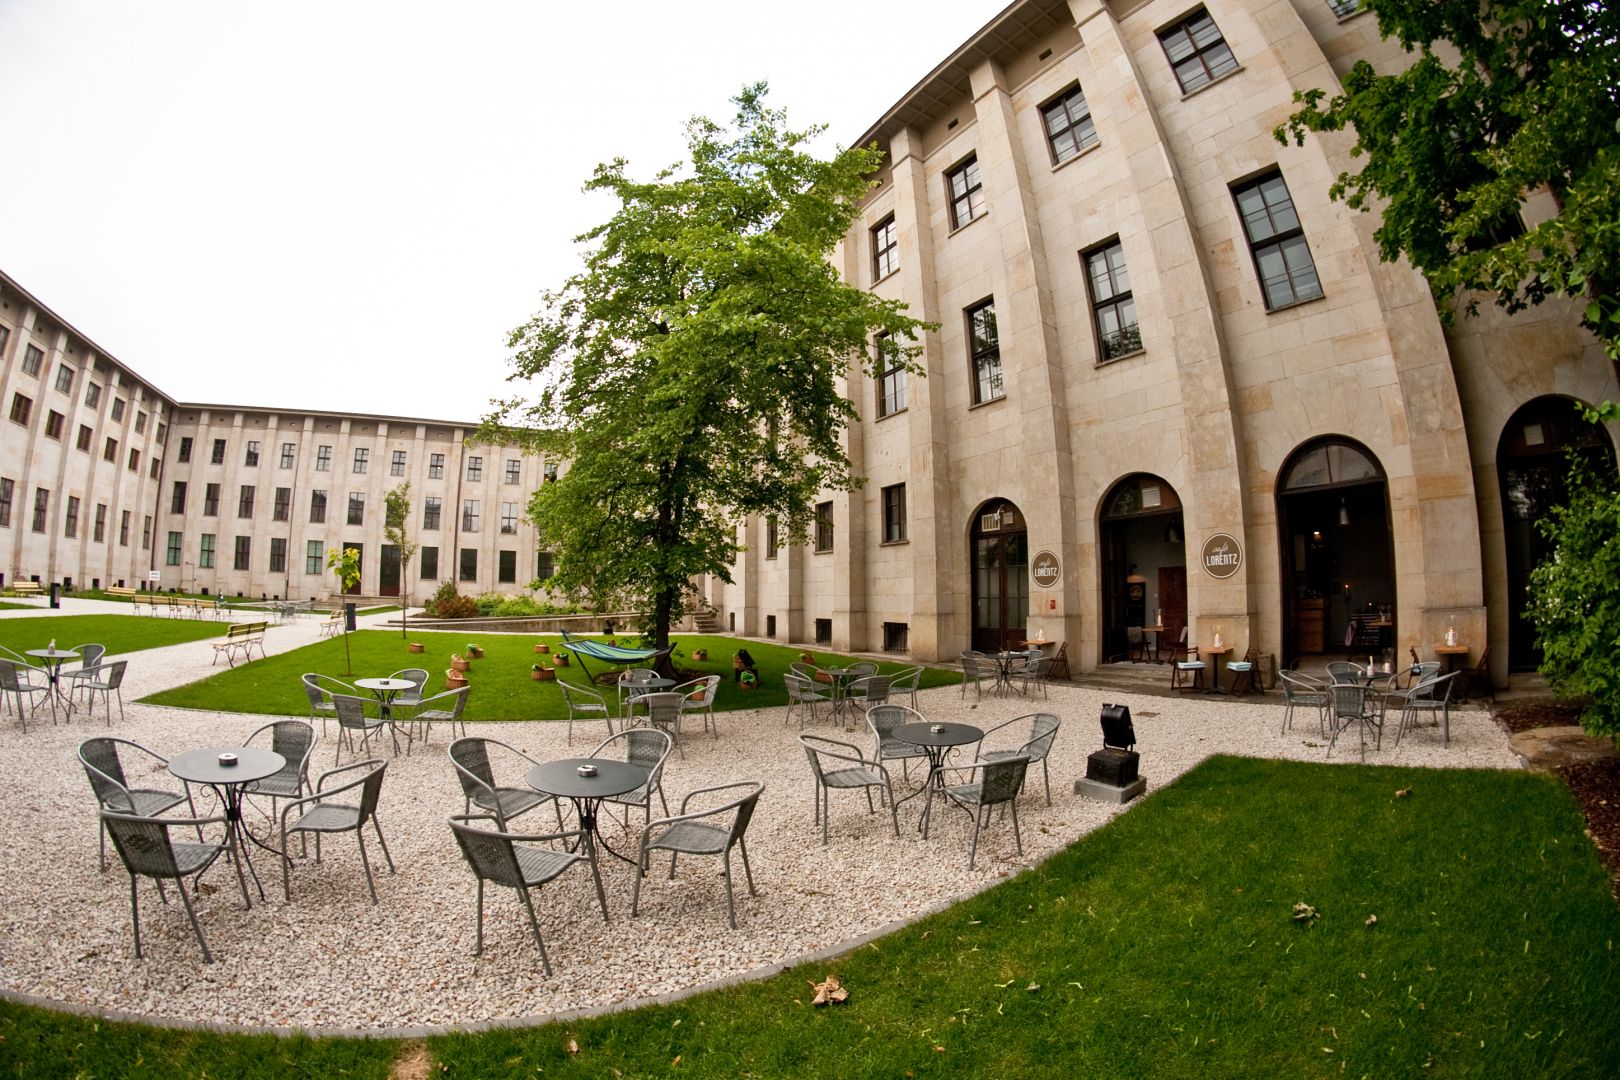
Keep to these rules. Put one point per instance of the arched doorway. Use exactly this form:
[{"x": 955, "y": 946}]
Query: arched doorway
[
  {"x": 1000, "y": 553},
  {"x": 1144, "y": 562},
  {"x": 1532, "y": 466},
  {"x": 1338, "y": 554}
]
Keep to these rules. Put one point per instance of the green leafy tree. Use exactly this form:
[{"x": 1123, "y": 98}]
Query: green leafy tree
[
  {"x": 345, "y": 563},
  {"x": 1502, "y": 98},
  {"x": 690, "y": 371},
  {"x": 1575, "y": 597},
  {"x": 396, "y": 514}
]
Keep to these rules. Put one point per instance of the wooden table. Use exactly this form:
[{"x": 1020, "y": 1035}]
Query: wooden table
[
  {"x": 1155, "y": 631},
  {"x": 1215, "y": 668},
  {"x": 1448, "y": 655}
]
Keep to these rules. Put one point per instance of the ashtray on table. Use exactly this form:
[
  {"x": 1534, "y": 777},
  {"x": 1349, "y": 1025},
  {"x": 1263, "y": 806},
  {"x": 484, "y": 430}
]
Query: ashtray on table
[
  {"x": 586, "y": 770},
  {"x": 936, "y": 729},
  {"x": 227, "y": 759}
]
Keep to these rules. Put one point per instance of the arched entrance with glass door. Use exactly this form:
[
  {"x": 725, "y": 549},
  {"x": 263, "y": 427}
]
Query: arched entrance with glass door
[
  {"x": 999, "y": 548},
  {"x": 1338, "y": 552},
  {"x": 1532, "y": 467},
  {"x": 1144, "y": 564}
]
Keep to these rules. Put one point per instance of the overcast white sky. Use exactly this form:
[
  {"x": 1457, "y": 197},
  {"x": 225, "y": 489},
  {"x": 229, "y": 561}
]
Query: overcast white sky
[{"x": 349, "y": 204}]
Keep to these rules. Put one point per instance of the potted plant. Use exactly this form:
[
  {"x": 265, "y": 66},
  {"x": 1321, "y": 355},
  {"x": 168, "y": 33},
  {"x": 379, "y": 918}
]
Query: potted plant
[
  {"x": 454, "y": 679},
  {"x": 474, "y": 652},
  {"x": 747, "y": 680},
  {"x": 808, "y": 658},
  {"x": 700, "y": 654},
  {"x": 417, "y": 646},
  {"x": 458, "y": 664},
  {"x": 541, "y": 674},
  {"x": 561, "y": 659},
  {"x": 541, "y": 648}
]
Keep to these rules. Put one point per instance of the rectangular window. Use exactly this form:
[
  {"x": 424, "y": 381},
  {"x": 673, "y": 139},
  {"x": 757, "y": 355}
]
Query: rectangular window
[
  {"x": 1113, "y": 310},
  {"x": 140, "y": 425},
  {"x": 514, "y": 470},
  {"x": 894, "y": 513},
  {"x": 396, "y": 466},
  {"x": 885, "y": 249},
  {"x": 312, "y": 557},
  {"x": 21, "y": 409},
  {"x": 244, "y": 501},
  {"x": 32, "y": 359},
  {"x": 435, "y": 466},
  {"x": 431, "y": 508},
  {"x": 1282, "y": 258},
  {"x": 895, "y": 635},
  {"x": 53, "y": 424},
  {"x": 146, "y": 532},
  {"x": 211, "y": 500},
  {"x": 772, "y": 538},
  {"x": 92, "y": 395},
  {"x": 109, "y": 450},
  {"x": 966, "y": 192},
  {"x": 288, "y": 453},
  {"x": 1344, "y": 8},
  {"x": 70, "y": 527},
  {"x": 475, "y": 469},
  {"x": 509, "y": 516},
  {"x": 891, "y": 377},
  {"x": 824, "y": 527},
  {"x": 118, "y": 409},
  {"x": 323, "y": 459},
  {"x": 823, "y": 631},
  {"x": 86, "y": 436},
  {"x": 7, "y": 487},
  {"x": 98, "y": 531},
  {"x": 42, "y": 508},
  {"x": 469, "y": 564},
  {"x": 162, "y": 433},
  {"x": 177, "y": 504},
  {"x": 1069, "y": 129},
  {"x": 770, "y": 626},
  {"x": 282, "y": 510},
  {"x": 205, "y": 552},
  {"x": 278, "y": 555},
  {"x": 123, "y": 530},
  {"x": 357, "y": 508},
  {"x": 544, "y": 565},
  {"x": 985, "y": 347},
  {"x": 64, "y": 378},
  {"x": 185, "y": 449},
  {"x": 317, "y": 507},
  {"x": 469, "y": 515},
  {"x": 241, "y": 557},
  {"x": 506, "y": 568},
  {"x": 218, "y": 456},
  {"x": 1197, "y": 51},
  {"x": 429, "y": 559},
  {"x": 152, "y": 469},
  {"x": 362, "y": 457},
  {"x": 550, "y": 473},
  {"x": 134, "y": 461},
  {"x": 5, "y": 336},
  {"x": 172, "y": 555},
  {"x": 251, "y": 458}
]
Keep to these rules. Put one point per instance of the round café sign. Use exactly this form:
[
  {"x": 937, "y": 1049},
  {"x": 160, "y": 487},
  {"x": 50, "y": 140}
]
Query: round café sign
[
  {"x": 1045, "y": 569},
  {"x": 1222, "y": 556}
]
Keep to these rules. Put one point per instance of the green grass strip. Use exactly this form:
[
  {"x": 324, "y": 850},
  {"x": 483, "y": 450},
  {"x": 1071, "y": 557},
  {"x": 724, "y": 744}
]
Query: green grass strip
[
  {"x": 502, "y": 688},
  {"x": 119, "y": 633}
]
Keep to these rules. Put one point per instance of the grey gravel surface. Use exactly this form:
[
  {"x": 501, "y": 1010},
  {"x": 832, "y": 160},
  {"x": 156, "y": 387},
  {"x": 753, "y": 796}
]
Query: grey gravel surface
[{"x": 330, "y": 959}]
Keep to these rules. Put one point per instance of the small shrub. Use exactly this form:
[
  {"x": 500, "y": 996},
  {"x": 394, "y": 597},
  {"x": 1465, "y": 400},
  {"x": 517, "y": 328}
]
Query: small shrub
[{"x": 449, "y": 604}]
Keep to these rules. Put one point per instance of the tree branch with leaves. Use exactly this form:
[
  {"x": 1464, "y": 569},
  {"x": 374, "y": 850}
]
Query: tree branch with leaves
[{"x": 396, "y": 515}]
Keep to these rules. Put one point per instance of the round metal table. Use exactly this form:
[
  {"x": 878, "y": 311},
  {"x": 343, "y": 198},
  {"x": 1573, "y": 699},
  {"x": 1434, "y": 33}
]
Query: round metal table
[
  {"x": 562, "y": 779},
  {"x": 252, "y": 763},
  {"x": 54, "y": 659},
  {"x": 936, "y": 744}
]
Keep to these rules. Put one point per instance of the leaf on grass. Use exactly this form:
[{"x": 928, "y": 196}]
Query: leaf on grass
[
  {"x": 572, "y": 1045},
  {"x": 1304, "y": 913},
  {"x": 677, "y": 1061},
  {"x": 829, "y": 991},
  {"x": 1404, "y": 793},
  {"x": 1003, "y": 986},
  {"x": 1032, "y": 987},
  {"x": 1372, "y": 921}
]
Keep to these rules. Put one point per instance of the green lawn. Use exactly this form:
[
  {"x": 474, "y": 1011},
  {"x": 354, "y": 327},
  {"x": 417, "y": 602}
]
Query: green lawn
[
  {"x": 1162, "y": 945},
  {"x": 501, "y": 685},
  {"x": 7, "y": 605},
  {"x": 120, "y": 633}
]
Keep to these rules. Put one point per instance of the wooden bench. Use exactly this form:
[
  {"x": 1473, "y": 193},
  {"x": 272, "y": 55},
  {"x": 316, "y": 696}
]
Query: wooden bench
[
  {"x": 25, "y": 588},
  {"x": 239, "y": 641},
  {"x": 333, "y": 624},
  {"x": 120, "y": 592}
]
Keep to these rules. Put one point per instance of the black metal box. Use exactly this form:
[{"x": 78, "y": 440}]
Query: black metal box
[{"x": 1111, "y": 766}]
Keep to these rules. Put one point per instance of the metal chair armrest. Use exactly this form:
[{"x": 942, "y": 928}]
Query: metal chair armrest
[{"x": 705, "y": 791}]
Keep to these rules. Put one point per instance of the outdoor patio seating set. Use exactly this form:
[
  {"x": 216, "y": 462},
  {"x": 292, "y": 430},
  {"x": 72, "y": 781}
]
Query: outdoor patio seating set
[
  {"x": 1353, "y": 695},
  {"x": 26, "y": 688}
]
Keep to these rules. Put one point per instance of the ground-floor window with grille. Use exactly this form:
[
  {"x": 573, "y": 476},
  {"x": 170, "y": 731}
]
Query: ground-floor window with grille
[
  {"x": 894, "y": 636},
  {"x": 823, "y": 631}
]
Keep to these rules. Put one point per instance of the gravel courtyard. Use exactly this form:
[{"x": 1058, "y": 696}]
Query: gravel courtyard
[{"x": 329, "y": 959}]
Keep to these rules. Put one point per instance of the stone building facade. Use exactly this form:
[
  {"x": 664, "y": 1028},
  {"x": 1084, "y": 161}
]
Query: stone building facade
[{"x": 1173, "y": 384}]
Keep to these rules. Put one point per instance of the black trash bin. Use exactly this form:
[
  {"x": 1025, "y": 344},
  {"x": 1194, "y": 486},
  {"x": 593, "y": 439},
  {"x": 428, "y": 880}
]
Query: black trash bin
[
  {"x": 348, "y": 616},
  {"x": 56, "y": 595}
]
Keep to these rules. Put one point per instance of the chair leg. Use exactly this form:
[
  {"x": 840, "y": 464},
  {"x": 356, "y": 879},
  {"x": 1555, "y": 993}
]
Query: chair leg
[
  {"x": 731, "y": 905},
  {"x": 375, "y": 824},
  {"x": 534, "y": 925},
  {"x": 596, "y": 874},
  {"x": 478, "y": 947},
  {"x": 641, "y": 872},
  {"x": 1046, "y": 774},
  {"x": 748, "y": 871},
  {"x": 973, "y": 852},
  {"x": 208, "y": 958},
  {"x": 135, "y": 913},
  {"x": 360, "y": 836},
  {"x": 1017, "y": 836}
]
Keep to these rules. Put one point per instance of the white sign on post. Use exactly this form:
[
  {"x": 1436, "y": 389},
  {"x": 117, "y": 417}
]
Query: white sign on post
[{"x": 154, "y": 575}]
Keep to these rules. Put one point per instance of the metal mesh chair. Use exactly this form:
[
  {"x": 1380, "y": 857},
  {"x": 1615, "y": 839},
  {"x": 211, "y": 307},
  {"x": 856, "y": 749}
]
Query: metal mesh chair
[
  {"x": 318, "y": 814},
  {"x": 106, "y": 680},
  {"x": 802, "y": 696},
  {"x": 147, "y": 850},
  {"x": 442, "y": 708},
  {"x": 869, "y": 691},
  {"x": 976, "y": 667},
  {"x": 294, "y": 740},
  {"x": 1346, "y": 673},
  {"x": 409, "y": 699},
  {"x": 1043, "y": 729},
  {"x": 1354, "y": 705},
  {"x": 905, "y": 682},
  {"x": 633, "y": 683},
  {"x": 703, "y": 832},
  {"x": 804, "y": 671},
  {"x": 503, "y": 858},
  {"x": 103, "y": 763},
  {"x": 319, "y": 690},
  {"x": 854, "y": 772},
  {"x": 352, "y": 718},
  {"x": 883, "y": 719},
  {"x": 1431, "y": 697},
  {"x": 1029, "y": 671},
  {"x": 998, "y": 784},
  {"x": 662, "y": 711},
  {"x": 584, "y": 704},
  {"x": 645, "y": 748},
  {"x": 89, "y": 658},
  {"x": 1304, "y": 691},
  {"x": 16, "y": 681},
  {"x": 470, "y": 756},
  {"x": 697, "y": 696}
]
